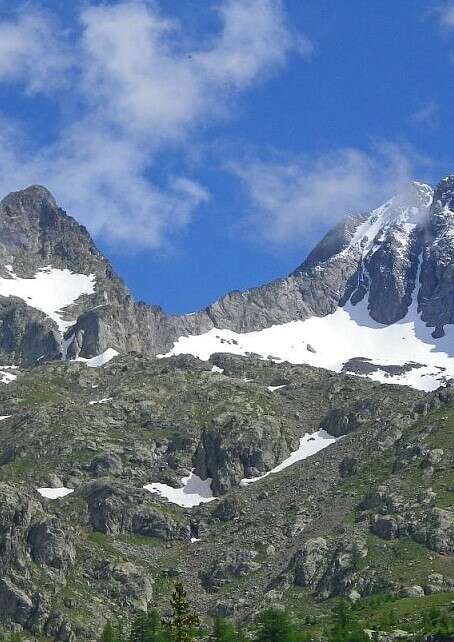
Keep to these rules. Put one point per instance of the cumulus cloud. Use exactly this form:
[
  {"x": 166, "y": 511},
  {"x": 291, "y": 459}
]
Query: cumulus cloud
[
  {"x": 143, "y": 86},
  {"x": 291, "y": 201}
]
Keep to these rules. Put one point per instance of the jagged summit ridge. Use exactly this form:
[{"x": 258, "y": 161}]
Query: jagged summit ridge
[
  {"x": 379, "y": 262},
  {"x": 399, "y": 217},
  {"x": 386, "y": 267}
]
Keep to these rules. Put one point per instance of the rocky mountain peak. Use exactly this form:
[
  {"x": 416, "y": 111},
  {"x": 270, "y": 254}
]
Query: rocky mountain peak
[
  {"x": 444, "y": 192},
  {"x": 442, "y": 213},
  {"x": 397, "y": 217},
  {"x": 35, "y": 232},
  {"x": 29, "y": 199}
]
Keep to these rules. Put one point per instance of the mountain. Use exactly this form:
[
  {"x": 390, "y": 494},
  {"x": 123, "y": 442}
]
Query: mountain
[
  {"x": 374, "y": 297},
  {"x": 250, "y": 450}
]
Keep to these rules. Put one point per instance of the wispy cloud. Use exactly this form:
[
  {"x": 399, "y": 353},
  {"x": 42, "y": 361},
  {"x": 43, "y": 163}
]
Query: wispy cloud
[
  {"x": 31, "y": 52},
  {"x": 289, "y": 202},
  {"x": 426, "y": 115},
  {"x": 143, "y": 85},
  {"x": 445, "y": 14}
]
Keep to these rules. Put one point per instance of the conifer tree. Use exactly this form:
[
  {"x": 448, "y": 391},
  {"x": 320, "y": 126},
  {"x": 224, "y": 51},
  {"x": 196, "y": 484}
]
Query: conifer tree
[
  {"x": 342, "y": 615},
  {"x": 138, "y": 628},
  {"x": 183, "y": 623},
  {"x": 275, "y": 625},
  {"x": 223, "y": 631},
  {"x": 115, "y": 632},
  {"x": 108, "y": 633},
  {"x": 147, "y": 627},
  {"x": 346, "y": 627}
]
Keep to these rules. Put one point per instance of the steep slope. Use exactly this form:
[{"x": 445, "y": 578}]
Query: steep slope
[
  {"x": 257, "y": 479},
  {"x": 50, "y": 272},
  {"x": 342, "y": 522}
]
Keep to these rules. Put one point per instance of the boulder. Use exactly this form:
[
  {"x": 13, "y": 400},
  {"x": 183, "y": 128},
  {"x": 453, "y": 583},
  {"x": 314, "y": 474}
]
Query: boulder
[
  {"x": 116, "y": 508},
  {"x": 232, "y": 564},
  {"x": 50, "y": 545}
]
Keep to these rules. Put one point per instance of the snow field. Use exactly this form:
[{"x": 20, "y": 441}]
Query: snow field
[
  {"x": 99, "y": 360},
  {"x": 336, "y": 338},
  {"x": 50, "y": 291}
]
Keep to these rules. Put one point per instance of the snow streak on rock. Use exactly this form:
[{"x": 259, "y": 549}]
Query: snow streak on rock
[
  {"x": 334, "y": 340},
  {"x": 6, "y": 376},
  {"x": 309, "y": 445}
]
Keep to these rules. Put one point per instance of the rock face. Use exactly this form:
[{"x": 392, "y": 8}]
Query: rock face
[
  {"x": 437, "y": 276},
  {"x": 50, "y": 545},
  {"x": 333, "y": 524},
  {"x": 330, "y": 567},
  {"x": 233, "y": 564},
  {"x": 119, "y": 508}
]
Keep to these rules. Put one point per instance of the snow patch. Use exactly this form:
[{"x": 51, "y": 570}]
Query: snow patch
[
  {"x": 100, "y": 359},
  {"x": 3, "y": 417},
  {"x": 6, "y": 376},
  {"x": 309, "y": 445},
  {"x": 106, "y": 400},
  {"x": 54, "y": 493},
  {"x": 273, "y": 388},
  {"x": 195, "y": 491},
  {"x": 51, "y": 291},
  {"x": 217, "y": 369}
]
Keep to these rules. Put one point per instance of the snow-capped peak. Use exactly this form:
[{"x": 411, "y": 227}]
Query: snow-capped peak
[{"x": 401, "y": 215}]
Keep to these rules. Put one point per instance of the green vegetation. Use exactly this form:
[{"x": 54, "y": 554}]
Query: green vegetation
[{"x": 348, "y": 622}]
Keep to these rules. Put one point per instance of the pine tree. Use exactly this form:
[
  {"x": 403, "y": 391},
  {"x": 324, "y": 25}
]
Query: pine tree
[
  {"x": 147, "y": 627},
  {"x": 223, "y": 631},
  {"x": 346, "y": 627},
  {"x": 138, "y": 628},
  {"x": 108, "y": 633},
  {"x": 356, "y": 558},
  {"x": 114, "y": 632},
  {"x": 342, "y": 615},
  {"x": 183, "y": 624},
  {"x": 275, "y": 625}
]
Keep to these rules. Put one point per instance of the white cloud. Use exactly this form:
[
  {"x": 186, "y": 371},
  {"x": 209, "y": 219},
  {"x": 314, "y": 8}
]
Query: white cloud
[
  {"x": 291, "y": 201},
  {"x": 255, "y": 39},
  {"x": 31, "y": 52},
  {"x": 144, "y": 74},
  {"x": 100, "y": 179},
  {"x": 144, "y": 85}
]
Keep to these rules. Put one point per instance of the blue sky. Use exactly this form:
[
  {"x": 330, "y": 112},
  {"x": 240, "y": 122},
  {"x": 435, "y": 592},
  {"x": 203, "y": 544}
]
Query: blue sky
[{"x": 208, "y": 144}]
